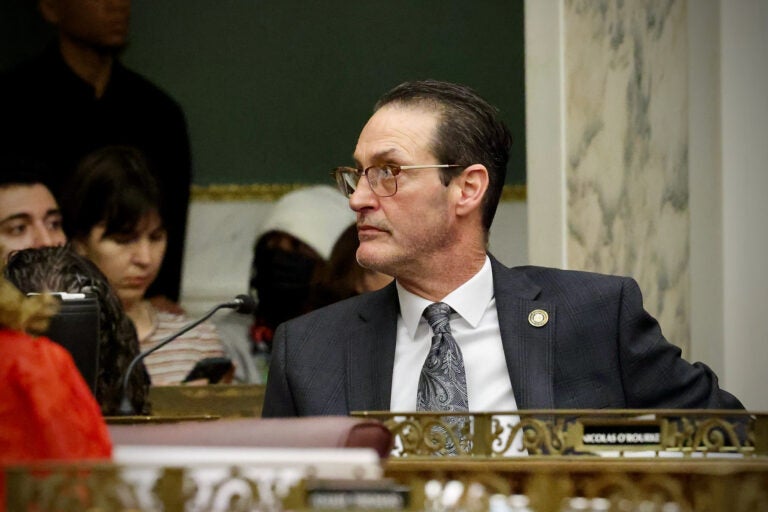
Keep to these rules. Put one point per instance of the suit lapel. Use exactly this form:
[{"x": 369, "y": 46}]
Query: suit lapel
[
  {"x": 371, "y": 351},
  {"x": 529, "y": 350}
]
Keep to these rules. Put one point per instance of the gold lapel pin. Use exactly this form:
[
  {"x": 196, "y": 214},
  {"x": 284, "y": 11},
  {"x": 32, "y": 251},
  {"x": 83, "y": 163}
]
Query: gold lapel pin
[{"x": 538, "y": 318}]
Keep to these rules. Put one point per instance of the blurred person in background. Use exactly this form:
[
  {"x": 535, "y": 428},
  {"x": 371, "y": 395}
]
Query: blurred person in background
[
  {"x": 343, "y": 276},
  {"x": 293, "y": 245},
  {"x": 29, "y": 214},
  {"x": 61, "y": 269},
  {"x": 47, "y": 411},
  {"x": 77, "y": 96},
  {"x": 115, "y": 215}
]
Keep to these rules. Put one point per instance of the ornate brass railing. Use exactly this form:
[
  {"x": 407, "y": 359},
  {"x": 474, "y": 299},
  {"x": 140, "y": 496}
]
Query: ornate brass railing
[
  {"x": 719, "y": 462},
  {"x": 108, "y": 487},
  {"x": 559, "y": 484},
  {"x": 562, "y": 460},
  {"x": 576, "y": 432},
  {"x": 545, "y": 485}
]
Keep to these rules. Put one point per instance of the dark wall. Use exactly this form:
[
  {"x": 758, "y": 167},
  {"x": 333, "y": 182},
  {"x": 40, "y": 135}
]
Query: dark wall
[
  {"x": 23, "y": 33},
  {"x": 277, "y": 91}
]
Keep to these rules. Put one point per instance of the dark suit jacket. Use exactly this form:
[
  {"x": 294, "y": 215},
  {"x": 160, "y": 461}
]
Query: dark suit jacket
[{"x": 600, "y": 349}]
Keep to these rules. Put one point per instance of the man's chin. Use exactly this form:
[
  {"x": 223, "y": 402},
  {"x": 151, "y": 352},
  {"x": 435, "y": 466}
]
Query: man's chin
[
  {"x": 112, "y": 47},
  {"x": 373, "y": 259}
]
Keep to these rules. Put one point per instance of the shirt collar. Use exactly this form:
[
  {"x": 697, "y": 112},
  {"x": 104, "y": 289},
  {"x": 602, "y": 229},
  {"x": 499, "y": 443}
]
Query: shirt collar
[
  {"x": 469, "y": 300},
  {"x": 75, "y": 86}
]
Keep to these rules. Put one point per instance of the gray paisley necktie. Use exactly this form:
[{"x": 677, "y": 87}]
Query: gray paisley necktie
[{"x": 443, "y": 383}]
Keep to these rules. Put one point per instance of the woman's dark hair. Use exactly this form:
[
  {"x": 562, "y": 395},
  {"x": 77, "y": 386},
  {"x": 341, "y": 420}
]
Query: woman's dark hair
[
  {"x": 61, "y": 269},
  {"x": 339, "y": 278},
  {"x": 16, "y": 170},
  {"x": 114, "y": 186}
]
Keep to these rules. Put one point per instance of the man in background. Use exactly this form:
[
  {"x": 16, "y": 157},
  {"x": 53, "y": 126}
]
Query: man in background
[
  {"x": 29, "y": 214},
  {"x": 77, "y": 97}
]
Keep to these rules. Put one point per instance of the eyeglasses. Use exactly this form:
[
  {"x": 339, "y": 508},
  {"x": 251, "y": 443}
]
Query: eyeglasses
[{"x": 381, "y": 178}]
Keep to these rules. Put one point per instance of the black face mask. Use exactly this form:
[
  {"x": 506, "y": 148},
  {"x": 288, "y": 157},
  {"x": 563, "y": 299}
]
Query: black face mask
[{"x": 281, "y": 280}]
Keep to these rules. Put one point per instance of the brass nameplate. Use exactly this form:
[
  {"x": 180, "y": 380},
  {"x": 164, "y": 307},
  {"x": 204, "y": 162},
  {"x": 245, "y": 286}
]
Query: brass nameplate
[{"x": 618, "y": 434}]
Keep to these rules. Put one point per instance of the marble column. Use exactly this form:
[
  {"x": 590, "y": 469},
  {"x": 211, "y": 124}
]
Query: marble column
[{"x": 626, "y": 149}]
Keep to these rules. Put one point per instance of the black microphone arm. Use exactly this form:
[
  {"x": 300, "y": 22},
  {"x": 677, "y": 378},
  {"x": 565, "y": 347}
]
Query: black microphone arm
[{"x": 242, "y": 304}]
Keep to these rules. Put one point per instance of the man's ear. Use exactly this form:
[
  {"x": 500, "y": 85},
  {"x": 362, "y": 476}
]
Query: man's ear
[
  {"x": 471, "y": 184},
  {"x": 49, "y": 10}
]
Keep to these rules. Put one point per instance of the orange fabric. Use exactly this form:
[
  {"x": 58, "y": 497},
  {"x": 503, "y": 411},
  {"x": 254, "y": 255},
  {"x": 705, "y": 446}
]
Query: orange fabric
[{"x": 47, "y": 411}]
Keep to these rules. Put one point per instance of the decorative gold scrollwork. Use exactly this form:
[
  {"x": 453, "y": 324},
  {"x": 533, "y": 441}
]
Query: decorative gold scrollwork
[{"x": 562, "y": 432}]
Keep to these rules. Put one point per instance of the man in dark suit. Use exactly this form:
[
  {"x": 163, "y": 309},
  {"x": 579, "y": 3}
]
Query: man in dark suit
[{"x": 434, "y": 157}]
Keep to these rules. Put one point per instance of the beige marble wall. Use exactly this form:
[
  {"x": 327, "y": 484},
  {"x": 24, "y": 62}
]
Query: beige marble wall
[{"x": 626, "y": 149}]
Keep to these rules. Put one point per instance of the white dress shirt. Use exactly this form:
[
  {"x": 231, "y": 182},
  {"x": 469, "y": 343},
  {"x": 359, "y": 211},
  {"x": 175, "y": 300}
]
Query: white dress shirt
[{"x": 475, "y": 326}]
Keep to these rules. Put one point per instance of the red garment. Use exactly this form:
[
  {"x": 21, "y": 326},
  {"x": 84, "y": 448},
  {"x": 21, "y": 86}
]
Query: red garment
[
  {"x": 47, "y": 411},
  {"x": 261, "y": 335}
]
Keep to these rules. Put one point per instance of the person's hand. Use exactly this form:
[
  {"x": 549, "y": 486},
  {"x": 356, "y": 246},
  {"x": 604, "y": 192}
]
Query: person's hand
[
  {"x": 196, "y": 382},
  {"x": 163, "y": 303},
  {"x": 229, "y": 376}
]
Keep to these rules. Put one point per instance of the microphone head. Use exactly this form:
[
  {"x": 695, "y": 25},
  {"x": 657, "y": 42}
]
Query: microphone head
[{"x": 245, "y": 304}]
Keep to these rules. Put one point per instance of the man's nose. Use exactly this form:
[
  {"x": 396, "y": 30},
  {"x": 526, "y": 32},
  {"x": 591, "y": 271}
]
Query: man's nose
[
  {"x": 41, "y": 237},
  {"x": 363, "y": 196}
]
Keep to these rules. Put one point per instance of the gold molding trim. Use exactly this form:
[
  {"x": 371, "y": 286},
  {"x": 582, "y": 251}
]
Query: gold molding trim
[
  {"x": 274, "y": 191},
  {"x": 250, "y": 192},
  {"x": 514, "y": 193}
]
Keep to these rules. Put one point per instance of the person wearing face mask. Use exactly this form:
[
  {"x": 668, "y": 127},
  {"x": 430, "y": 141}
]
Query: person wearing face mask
[
  {"x": 114, "y": 216},
  {"x": 292, "y": 247}
]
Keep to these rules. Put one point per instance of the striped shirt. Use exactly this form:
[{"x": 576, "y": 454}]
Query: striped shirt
[{"x": 170, "y": 364}]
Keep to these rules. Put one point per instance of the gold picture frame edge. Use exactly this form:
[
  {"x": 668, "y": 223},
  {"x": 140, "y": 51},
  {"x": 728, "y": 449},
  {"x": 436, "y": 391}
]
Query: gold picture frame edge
[{"x": 274, "y": 191}]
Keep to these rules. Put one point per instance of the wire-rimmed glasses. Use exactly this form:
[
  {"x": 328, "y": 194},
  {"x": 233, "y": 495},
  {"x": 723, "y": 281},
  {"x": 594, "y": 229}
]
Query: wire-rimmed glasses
[{"x": 381, "y": 178}]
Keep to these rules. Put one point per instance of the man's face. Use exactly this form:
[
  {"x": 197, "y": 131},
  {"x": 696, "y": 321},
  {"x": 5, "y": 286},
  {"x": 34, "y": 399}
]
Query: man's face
[
  {"x": 96, "y": 23},
  {"x": 400, "y": 233},
  {"x": 29, "y": 217}
]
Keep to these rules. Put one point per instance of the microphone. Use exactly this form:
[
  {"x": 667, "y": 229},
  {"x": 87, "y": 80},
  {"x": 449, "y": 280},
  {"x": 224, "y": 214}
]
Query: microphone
[{"x": 242, "y": 304}]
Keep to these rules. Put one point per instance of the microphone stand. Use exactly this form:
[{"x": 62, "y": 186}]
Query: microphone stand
[{"x": 126, "y": 408}]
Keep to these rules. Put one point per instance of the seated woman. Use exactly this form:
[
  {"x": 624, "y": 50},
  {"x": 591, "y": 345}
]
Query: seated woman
[
  {"x": 114, "y": 216},
  {"x": 47, "y": 411},
  {"x": 61, "y": 269}
]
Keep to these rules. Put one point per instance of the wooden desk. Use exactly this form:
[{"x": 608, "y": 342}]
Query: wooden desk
[{"x": 224, "y": 400}]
